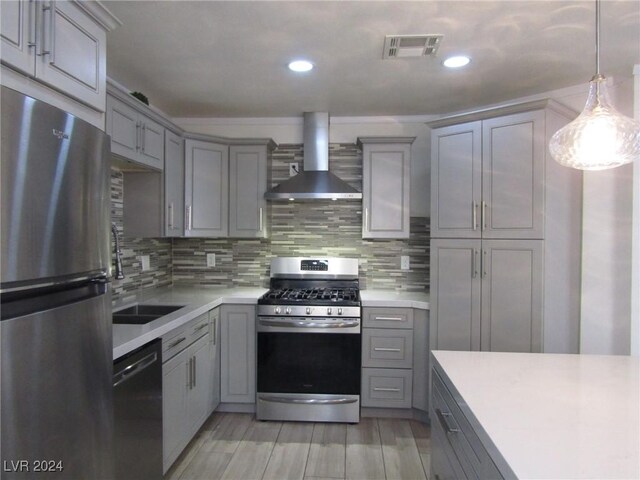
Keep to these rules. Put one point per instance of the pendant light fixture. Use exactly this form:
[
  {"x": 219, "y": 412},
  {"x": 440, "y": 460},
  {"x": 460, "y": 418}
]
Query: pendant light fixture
[{"x": 601, "y": 137}]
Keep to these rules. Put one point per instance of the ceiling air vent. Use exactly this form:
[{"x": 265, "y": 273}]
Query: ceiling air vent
[{"x": 403, "y": 46}]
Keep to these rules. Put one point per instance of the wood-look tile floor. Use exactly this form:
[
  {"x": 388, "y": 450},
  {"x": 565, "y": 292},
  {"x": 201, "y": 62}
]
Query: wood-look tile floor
[{"x": 235, "y": 446}]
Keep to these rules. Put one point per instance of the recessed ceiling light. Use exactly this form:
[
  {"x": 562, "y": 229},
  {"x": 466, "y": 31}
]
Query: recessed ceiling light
[
  {"x": 300, "y": 66},
  {"x": 456, "y": 62}
]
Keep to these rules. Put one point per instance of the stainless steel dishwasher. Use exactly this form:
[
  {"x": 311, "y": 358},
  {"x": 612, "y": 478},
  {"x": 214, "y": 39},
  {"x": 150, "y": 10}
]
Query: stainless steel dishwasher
[{"x": 137, "y": 389}]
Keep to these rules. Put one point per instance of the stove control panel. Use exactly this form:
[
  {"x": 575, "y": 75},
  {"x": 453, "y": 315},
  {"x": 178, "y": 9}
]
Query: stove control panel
[
  {"x": 314, "y": 265},
  {"x": 308, "y": 311}
]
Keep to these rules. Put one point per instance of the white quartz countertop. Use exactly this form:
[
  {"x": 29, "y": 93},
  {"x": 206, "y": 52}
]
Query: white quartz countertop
[
  {"x": 393, "y": 298},
  {"x": 549, "y": 415},
  {"x": 196, "y": 301}
]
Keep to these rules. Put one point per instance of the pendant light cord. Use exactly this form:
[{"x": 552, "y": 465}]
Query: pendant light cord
[{"x": 597, "y": 37}]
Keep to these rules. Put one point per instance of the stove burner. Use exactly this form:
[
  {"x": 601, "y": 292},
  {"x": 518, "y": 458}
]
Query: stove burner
[{"x": 311, "y": 294}]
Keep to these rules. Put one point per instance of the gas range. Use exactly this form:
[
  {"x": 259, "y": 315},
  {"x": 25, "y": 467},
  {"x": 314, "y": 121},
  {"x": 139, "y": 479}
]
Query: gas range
[{"x": 309, "y": 341}]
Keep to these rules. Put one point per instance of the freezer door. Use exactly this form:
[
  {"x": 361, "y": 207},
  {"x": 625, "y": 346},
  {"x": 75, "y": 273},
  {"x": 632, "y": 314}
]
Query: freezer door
[
  {"x": 56, "y": 388},
  {"x": 55, "y": 194}
]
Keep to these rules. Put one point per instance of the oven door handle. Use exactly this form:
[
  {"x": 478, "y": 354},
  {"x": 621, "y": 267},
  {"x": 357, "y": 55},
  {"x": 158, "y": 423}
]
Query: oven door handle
[
  {"x": 308, "y": 401},
  {"x": 305, "y": 324}
]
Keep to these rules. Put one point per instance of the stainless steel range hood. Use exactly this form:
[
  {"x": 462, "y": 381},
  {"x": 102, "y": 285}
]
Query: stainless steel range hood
[{"x": 315, "y": 182}]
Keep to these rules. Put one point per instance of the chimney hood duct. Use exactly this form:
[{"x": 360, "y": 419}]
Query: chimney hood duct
[{"x": 315, "y": 182}]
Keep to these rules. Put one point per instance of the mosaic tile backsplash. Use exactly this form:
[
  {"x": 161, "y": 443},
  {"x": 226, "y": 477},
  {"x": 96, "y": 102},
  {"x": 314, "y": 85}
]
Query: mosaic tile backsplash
[{"x": 320, "y": 228}]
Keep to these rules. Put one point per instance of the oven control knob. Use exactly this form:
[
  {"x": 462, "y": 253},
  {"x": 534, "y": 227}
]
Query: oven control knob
[
  {"x": 328, "y": 310},
  {"x": 288, "y": 311},
  {"x": 277, "y": 310},
  {"x": 339, "y": 311},
  {"x": 308, "y": 310}
]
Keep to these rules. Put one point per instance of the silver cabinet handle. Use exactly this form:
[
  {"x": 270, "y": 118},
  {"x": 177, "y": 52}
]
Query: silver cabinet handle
[
  {"x": 200, "y": 327},
  {"x": 474, "y": 264},
  {"x": 31, "y": 42},
  {"x": 484, "y": 263},
  {"x": 170, "y": 215},
  {"x": 189, "y": 219},
  {"x": 137, "y": 136},
  {"x": 214, "y": 330},
  {"x": 305, "y": 324},
  {"x": 260, "y": 219},
  {"x": 176, "y": 343},
  {"x": 383, "y": 349},
  {"x": 484, "y": 215},
  {"x": 442, "y": 417},
  {"x": 366, "y": 219},
  {"x": 390, "y": 319},
  {"x": 474, "y": 208},
  {"x": 195, "y": 376},
  {"x": 189, "y": 375},
  {"x": 381, "y": 389},
  {"x": 43, "y": 29},
  {"x": 143, "y": 131}
]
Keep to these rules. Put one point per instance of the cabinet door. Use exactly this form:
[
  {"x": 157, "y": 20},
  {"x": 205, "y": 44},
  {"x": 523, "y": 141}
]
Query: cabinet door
[
  {"x": 122, "y": 126},
  {"x": 512, "y": 189},
  {"x": 247, "y": 185},
  {"x": 73, "y": 53},
  {"x": 206, "y": 189},
  {"x": 456, "y": 175},
  {"x": 198, "y": 395},
  {"x": 17, "y": 34},
  {"x": 238, "y": 354},
  {"x": 174, "y": 407},
  {"x": 512, "y": 295},
  {"x": 151, "y": 143},
  {"x": 386, "y": 190},
  {"x": 174, "y": 185},
  {"x": 455, "y": 294}
]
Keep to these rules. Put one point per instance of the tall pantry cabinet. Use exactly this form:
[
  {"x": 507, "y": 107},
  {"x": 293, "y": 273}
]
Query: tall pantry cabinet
[{"x": 506, "y": 232}]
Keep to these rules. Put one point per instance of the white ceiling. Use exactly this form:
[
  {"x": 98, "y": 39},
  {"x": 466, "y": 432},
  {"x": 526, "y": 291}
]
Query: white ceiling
[{"x": 228, "y": 59}]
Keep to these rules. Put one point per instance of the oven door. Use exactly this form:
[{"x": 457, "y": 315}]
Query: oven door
[{"x": 308, "y": 371}]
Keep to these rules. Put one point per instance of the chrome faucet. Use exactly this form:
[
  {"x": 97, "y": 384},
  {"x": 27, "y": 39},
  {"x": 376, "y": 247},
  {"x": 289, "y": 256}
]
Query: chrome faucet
[{"x": 119, "y": 275}]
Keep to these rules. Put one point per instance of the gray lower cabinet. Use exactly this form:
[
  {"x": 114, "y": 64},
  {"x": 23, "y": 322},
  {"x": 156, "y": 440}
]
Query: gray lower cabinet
[
  {"x": 486, "y": 295},
  {"x": 186, "y": 385},
  {"x": 134, "y": 136},
  {"x": 395, "y": 350},
  {"x": 206, "y": 168},
  {"x": 456, "y": 449},
  {"x": 238, "y": 354},
  {"x": 386, "y": 190}
]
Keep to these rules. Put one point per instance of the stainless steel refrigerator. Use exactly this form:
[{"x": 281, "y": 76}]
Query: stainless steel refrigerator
[{"x": 55, "y": 336}]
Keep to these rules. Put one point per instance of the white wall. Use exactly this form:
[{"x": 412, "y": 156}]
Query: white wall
[
  {"x": 635, "y": 264},
  {"x": 341, "y": 130}
]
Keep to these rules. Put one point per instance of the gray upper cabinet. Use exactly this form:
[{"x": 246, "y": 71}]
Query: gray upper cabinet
[
  {"x": 134, "y": 136},
  {"x": 174, "y": 185},
  {"x": 57, "y": 43},
  {"x": 206, "y": 189},
  {"x": 487, "y": 178},
  {"x": 487, "y": 295},
  {"x": 386, "y": 190},
  {"x": 247, "y": 186}
]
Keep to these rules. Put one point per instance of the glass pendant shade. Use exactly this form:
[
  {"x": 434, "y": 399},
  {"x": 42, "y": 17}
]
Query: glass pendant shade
[{"x": 600, "y": 137}]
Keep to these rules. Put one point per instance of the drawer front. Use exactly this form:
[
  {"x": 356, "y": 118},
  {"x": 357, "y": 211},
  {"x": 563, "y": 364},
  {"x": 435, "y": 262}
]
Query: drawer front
[
  {"x": 444, "y": 463},
  {"x": 469, "y": 448},
  {"x": 387, "y": 348},
  {"x": 174, "y": 342},
  {"x": 198, "y": 327},
  {"x": 387, "y": 388},
  {"x": 375, "y": 317}
]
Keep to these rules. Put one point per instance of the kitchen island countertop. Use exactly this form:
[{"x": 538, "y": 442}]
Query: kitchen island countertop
[{"x": 551, "y": 415}]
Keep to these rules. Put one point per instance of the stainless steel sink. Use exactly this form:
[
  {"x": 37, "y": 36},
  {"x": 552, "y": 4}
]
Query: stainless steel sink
[{"x": 142, "y": 314}]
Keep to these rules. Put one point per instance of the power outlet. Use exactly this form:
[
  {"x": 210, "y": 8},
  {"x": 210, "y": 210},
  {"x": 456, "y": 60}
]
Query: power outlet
[
  {"x": 404, "y": 262},
  {"x": 211, "y": 259},
  {"x": 145, "y": 264},
  {"x": 294, "y": 169}
]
